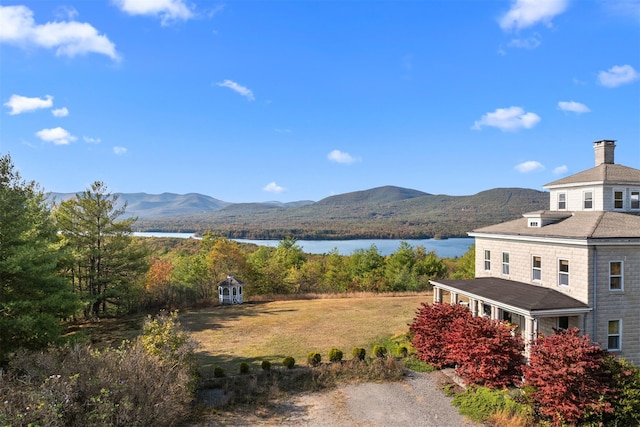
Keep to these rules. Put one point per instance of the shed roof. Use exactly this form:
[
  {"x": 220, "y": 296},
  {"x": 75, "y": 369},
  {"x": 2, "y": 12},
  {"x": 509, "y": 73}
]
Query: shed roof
[
  {"x": 527, "y": 297},
  {"x": 229, "y": 282}
]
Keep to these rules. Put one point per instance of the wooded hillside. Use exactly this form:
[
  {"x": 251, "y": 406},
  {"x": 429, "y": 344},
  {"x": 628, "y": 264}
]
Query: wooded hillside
[{"x": 384, "y": 212}]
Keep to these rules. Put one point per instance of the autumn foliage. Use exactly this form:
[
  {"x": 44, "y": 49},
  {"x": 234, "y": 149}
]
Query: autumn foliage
[
  {"x": 430, "y": 331},
  {"x": 569, "y": 377},
  {"x": 486, "y": 352}
]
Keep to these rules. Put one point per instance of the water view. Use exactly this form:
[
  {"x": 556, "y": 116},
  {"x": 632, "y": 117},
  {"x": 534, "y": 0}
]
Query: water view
[{"x": 447, "y": 248}]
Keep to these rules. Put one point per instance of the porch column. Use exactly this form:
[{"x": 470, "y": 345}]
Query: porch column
[
  {"x": 473, "y": 306},
  {"x": 495, "y": 312},
  {"x": 437, "y": 294},
  {"x": 454, "y": 298},
  {"x": 530, "y": 333}
]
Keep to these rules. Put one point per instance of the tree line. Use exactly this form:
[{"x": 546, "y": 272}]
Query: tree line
[{"x": 79, "y": 259}]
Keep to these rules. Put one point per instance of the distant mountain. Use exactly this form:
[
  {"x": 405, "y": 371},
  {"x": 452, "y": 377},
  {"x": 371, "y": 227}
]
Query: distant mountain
[
  {"x": 376, "y": 196},
  {"x": 145, "y": 206},
  {"x": 384, "y": 212}
]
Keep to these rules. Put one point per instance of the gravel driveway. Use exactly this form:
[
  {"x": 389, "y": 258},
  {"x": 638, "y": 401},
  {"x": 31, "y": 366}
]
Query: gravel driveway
[{"x": 416, "y": 401}]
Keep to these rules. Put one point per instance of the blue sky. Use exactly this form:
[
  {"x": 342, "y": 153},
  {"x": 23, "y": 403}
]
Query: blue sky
[{"x": 250, "y": 101}]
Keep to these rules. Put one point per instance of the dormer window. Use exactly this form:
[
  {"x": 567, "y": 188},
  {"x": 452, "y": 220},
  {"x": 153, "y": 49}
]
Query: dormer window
[
  {"x": 618, "y": 199},
  {"x": 534, "y": 223},
  {"x": 562, "y": 201},
  {"x": 587, "y": 199}
]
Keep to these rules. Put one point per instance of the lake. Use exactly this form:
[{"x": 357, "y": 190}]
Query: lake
[{"x": 447, "y": 248}]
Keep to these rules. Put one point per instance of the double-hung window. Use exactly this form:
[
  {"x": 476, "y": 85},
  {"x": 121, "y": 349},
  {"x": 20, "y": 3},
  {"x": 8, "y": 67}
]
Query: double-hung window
[
  {"x": 487, "y": 260},
  {"x": 635, "y": 199},
  {"x": 616, "y": 282},
  {"x": 614, "y": 340},
  {"x": 563, "y": 272},
  {"x": 505, "y": 263},
  {"x": 536, "y": 268},
  {"x": 618, "y": 199},
  {"x": 562, "y": 201},
  {"x": 587, "y": 199}
]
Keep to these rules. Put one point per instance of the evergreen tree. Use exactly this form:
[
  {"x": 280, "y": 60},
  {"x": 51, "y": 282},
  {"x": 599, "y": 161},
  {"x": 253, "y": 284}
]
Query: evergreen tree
[
  {"x": 104, "y": 261},
  {"x": 33, "y": 297}
]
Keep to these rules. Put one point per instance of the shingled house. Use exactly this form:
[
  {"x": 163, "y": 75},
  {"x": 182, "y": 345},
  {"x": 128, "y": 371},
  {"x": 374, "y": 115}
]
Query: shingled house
[{"x": 574, "y": 265}]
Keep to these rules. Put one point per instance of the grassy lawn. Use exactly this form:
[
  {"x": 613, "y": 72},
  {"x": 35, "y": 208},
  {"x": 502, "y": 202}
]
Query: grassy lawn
[{"x": 257, "y": 331}]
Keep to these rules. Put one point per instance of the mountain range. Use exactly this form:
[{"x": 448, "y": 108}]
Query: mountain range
[{"x": 382, "y": 212}]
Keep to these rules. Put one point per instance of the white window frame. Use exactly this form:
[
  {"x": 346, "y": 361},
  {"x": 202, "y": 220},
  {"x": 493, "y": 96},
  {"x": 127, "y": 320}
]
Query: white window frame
[
  {"x": 535, "y": 269},
  {"x": 505, "y": 264},
  {"x": 563, "y": 274},
  {"x": 621, "y": 200},
  {"x": 586, "y": 200},
  {"x": 562, "y": 207},
  {"x": 617, "y": 334},
  {"x": 634, "y": 200},
  {"x": 616, "y": 276},
  {"x": 487, "y": 260}
]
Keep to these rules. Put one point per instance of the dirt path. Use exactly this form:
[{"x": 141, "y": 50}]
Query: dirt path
[{"x": 417, "y": 401}]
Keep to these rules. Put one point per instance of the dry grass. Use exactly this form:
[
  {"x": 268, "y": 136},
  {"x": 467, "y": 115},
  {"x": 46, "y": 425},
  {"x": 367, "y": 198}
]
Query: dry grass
[{"x": 271, "y": 330}]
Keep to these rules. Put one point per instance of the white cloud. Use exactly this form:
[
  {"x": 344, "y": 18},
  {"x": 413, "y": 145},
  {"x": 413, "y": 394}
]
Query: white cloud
[
  {"x": 527, "y": 13},
  {"x": 69, "y": 38},
  {"x": 58, "y": 136},
  {"x": 341, "y": 157},
  {"x": 21, "y": 104},
  {"x": 560, "y": 170},
  {"x": 529, "y": 166},
  {"x": 119, "y": 150},
  {"x": 60, "y": 112},
  {"x": 242, "y": 90},
  {"x": 508, "y": 119},
  {"x": 168, "y": 11},
  {"x": 529, "y": 43},
  {"x": 574, "y": 107},
  {"x": 92, "y": 140},
  {"x": 272, "y": 187},
  {"x": 617, "y": 76}
]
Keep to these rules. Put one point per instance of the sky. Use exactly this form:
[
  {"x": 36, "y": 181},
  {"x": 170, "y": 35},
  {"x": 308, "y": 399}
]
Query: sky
[{"x": 253, "y": 101}]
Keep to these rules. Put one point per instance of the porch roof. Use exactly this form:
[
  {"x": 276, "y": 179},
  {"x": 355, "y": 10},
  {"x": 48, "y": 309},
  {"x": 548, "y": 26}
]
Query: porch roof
[{"x": 523, "y": 296}]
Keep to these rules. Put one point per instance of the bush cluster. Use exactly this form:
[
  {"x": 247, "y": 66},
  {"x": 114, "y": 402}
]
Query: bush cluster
[
  {"x": 335, "y": 355},
  {"x": 314, "y": 358},
  {"x": 359, "y": 353},
  {"x": 379, "y": 350},
  {"x": 78, "y": 386},
  {"x": 289, "y": 362},
  {"x": 484, "y": 351}
]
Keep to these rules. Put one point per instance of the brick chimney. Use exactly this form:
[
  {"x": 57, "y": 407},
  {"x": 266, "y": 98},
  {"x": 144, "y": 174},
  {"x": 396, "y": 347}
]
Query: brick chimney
[{"x": 604, "y": 151}]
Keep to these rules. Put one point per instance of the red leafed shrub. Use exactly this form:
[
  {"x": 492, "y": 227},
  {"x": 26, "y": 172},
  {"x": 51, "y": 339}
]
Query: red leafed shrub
[
  {"x": 430, "y": 328},
  {"x": 569, "y": 377},
  {"x": 485, "y": 351}
]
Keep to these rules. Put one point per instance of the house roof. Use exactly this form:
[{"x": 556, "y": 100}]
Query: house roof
[
  {"x": 524, "y": 296},
  {"x": 605, "y": 173},
  {"x": 578, "y": 225}
]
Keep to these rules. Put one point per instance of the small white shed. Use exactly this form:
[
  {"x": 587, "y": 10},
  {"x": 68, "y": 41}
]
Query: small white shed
[{"x": 230, "y": 291}]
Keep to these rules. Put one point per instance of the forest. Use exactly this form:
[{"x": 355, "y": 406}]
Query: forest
[{"x": 79, "y": 260}]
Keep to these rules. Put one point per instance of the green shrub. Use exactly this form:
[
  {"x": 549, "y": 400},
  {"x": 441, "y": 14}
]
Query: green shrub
[
  {"x": 379, "y": 350},
  {"x": 479, "y": 403},
  {"x": 218, "y": 372},
  {"x": 403, "y": 351},
  {"x": 289, "y": 362},
  {"x": 314, "y": 359},
  {"x": 266, "y": 365},
  {"x": 244, "y": 368},
  {"x": 335, "y": 355},
  {"x": 626, "y": 405},
  {"x": 359, "y": 353}
]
